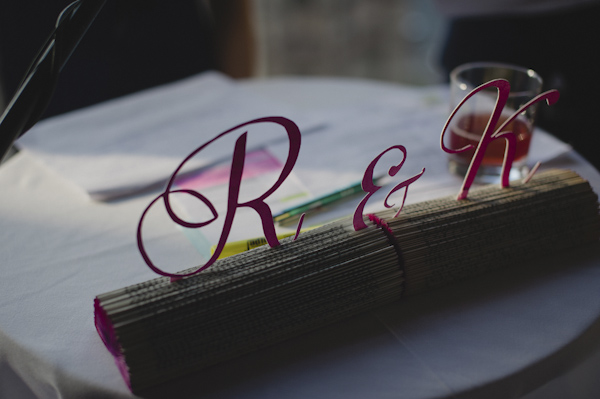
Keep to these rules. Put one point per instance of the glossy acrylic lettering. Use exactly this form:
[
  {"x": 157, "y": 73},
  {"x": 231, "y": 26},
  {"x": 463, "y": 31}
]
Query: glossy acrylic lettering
[
  {"x": 371, "y": 188},
  {"x": 235, "y": 179},
  {"x": 490, "y": 134}
]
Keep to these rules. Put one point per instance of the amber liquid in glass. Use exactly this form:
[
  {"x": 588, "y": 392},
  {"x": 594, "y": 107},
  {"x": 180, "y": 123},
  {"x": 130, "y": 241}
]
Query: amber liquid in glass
[{"x": 469, "y": 129}]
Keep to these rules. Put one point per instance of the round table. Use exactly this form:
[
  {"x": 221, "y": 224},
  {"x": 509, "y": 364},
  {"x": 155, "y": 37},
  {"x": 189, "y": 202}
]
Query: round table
[{"x": 531, "y": 331}]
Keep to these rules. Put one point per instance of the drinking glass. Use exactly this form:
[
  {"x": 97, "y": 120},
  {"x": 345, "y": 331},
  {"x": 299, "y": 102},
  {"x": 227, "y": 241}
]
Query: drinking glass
[{"x": 470, "y": 121}]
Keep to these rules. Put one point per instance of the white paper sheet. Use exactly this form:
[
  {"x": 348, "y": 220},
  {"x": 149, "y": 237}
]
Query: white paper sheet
[{"x": 137, "y": 141}]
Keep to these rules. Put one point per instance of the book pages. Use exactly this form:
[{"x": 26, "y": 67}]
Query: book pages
[{"x": 159, "y": 330}]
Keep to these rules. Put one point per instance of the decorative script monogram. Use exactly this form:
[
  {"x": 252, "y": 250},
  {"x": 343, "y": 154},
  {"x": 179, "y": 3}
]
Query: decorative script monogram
[{"x": 294, "y": 139}]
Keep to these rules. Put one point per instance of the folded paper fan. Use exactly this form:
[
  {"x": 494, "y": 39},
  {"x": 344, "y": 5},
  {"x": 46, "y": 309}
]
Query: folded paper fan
[{"x": 159, "y": 330}]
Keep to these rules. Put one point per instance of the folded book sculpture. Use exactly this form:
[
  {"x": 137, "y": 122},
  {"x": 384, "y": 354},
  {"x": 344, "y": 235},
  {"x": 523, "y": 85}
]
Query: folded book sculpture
[{"x": 159, "y": 330}]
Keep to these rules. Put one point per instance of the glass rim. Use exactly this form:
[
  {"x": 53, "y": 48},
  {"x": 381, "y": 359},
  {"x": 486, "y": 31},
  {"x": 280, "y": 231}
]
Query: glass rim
[{"x": 454, "y": 74}]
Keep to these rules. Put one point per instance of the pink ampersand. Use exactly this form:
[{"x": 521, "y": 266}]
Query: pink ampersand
[{"x": 371, "y": 188}]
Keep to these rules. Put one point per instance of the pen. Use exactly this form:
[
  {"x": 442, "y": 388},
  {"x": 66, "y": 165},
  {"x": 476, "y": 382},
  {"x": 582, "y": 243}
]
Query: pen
[{"x": 319, "y": 202}]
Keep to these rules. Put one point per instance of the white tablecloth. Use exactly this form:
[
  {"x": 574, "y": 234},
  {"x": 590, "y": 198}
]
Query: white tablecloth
[{"x": 529, "y": 332}]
